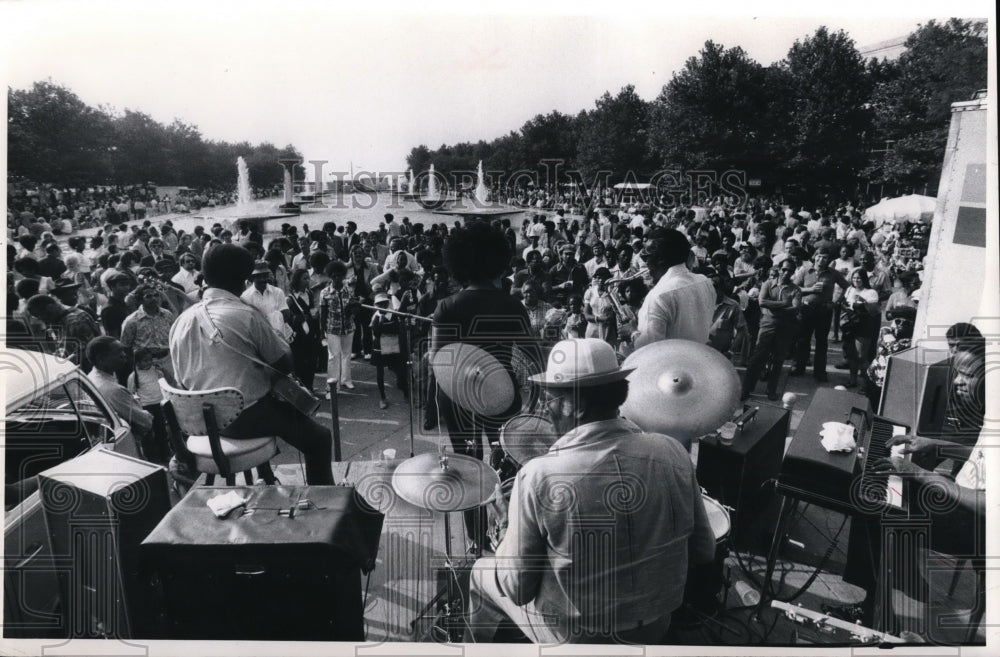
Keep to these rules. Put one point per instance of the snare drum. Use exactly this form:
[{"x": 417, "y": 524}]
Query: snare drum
[{"x": 705, "y": 581}]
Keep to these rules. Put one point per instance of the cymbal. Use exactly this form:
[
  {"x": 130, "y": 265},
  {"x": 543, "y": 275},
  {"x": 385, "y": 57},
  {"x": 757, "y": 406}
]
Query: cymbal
[
  {"x": 463, "y": 483},
  {"x": 524, "y": 437},
  {"x": 473, "y": 378},
  {"x": 680, "y": 388}
]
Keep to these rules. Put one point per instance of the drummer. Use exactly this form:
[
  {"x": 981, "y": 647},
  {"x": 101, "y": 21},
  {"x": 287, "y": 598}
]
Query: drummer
[{"x": 604, "y": 486}]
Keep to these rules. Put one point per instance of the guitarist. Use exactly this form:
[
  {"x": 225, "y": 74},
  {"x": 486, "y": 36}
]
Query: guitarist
[{"x": 217, "y": 343}]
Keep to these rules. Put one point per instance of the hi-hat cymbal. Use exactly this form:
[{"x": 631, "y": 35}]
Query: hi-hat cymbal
[
  {"x": 462, "y": 483},
  {"x": 473, "y": 378},
  {"x": 680, "y": 388},
  {"x": 524, "y": 437}
]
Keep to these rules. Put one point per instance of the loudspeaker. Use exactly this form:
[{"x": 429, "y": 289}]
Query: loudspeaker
[
  {"x": 915, "y": 391},
  {"x": 285, "y": 566},
  {"x": 734, "y": 474},
  {"x": 98, "y": 509}
]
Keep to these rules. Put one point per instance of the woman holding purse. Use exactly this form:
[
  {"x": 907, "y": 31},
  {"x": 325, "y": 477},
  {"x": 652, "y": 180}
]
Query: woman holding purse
[{"x": 859, "y": 320}]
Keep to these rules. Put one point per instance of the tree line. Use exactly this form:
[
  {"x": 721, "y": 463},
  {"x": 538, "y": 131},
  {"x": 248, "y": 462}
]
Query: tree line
[
  {"x": 54, "y": 137},
  {"x": 823, "y": 119}
]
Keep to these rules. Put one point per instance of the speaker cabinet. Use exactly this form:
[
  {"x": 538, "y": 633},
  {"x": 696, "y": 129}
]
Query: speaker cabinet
[
  {"x": 734, "y": 474},
  {"x": 98, "y": 509}
]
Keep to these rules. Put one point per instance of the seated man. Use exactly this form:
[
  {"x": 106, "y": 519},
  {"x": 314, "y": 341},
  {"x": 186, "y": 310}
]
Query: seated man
[
  {"x": 108, "y": 356},
  {"x": 602, "y": 528},
  {"x": 218, "y": 342},
  {"x": 952, "y": 512}
]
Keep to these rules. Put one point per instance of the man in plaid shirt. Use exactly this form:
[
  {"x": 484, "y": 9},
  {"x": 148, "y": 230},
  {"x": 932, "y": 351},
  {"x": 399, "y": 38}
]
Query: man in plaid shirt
[{"x": 337, "y": 306}]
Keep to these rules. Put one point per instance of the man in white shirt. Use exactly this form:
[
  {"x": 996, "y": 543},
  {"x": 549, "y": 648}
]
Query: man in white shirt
[
  {"x": 534, "y": 247},
  {"x": 267, "y": 298},
  {"x": 681, "y": 303},
  {"x": 597, "y": 261},
  {"x": 395, "y": 248},
  {"x": 188, "y": 275}
]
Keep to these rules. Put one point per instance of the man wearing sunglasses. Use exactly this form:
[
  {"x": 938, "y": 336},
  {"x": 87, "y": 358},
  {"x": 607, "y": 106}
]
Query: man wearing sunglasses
[{"x": 601, "y": 528}]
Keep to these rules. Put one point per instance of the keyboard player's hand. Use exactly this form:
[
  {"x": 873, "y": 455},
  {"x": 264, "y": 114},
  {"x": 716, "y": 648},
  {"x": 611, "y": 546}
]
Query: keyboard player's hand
[
  {"x": 897, "y": 466},
  {"x": 913, "y": 444}
]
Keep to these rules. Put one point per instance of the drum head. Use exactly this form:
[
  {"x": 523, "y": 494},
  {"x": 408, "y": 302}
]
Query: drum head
[
  {"x": 718, "y": 518},
  {"x": 524, "y": 437}
]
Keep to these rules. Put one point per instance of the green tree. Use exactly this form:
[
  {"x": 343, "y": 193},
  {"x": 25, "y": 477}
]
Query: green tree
[
  {"x": 829, "y": 111},
  {"x": 613, "y": 136},
  {"x": 714, "y": 114},
  {"x": 943, "y": 63},
  {"x": 53, "y": 136},
  {"x": 551, "y": 136}
]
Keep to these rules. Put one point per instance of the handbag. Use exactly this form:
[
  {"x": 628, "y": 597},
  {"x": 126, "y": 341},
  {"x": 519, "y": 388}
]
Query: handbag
[
  {"x": 850, "y": 320},
  {"x": 285, "y": 387}
]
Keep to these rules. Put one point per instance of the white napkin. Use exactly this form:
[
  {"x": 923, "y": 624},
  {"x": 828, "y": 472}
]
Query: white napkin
[
  {"x": 837, "y": 437},
  {"x": 221, "y": 505}
]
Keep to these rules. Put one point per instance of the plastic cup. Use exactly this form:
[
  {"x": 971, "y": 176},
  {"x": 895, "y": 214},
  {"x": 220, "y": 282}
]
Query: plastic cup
[{"x": 727, "y": 432}]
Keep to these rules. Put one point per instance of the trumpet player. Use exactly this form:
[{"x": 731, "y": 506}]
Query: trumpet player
[{"x": 681, "y": 303}]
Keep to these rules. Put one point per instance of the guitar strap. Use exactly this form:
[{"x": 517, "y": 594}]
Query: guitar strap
[{"x": 209, "y": 328}]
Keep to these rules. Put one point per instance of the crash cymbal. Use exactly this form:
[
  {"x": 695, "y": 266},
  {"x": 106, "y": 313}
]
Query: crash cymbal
[
  {"x": 458, "y": 484},
  {"x": 473, "y": 379},
  {"x": 524, "y": 437},
  {"x": 680, "y": 388}
]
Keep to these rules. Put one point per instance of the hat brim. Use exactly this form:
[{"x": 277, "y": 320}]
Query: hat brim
[{"x": 588, "y": 381}]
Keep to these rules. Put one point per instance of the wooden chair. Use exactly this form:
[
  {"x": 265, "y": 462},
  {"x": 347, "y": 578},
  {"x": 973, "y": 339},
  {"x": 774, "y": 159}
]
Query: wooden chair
[{"x": 203, "y": 414}]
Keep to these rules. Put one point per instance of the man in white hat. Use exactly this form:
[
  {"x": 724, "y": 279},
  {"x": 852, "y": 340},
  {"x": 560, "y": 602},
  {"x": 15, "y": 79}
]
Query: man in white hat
[
  {"x": 268, "y": 299},
  {"x": 601, "y": 529}
]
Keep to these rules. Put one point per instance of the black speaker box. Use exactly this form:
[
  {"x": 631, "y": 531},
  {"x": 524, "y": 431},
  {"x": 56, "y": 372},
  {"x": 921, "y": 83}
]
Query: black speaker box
[
  {"x": 287, "y": 566},
  {"x": 98, "y": 509},
  {"x": 734, "y": 474}
]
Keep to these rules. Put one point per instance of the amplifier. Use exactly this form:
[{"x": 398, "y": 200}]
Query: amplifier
[
  {"x": 915, "y": 391},
  {"x": 734, "y": 474},
  {"x": 98, "y": 508},
  {"x": 286, "y": 566}
]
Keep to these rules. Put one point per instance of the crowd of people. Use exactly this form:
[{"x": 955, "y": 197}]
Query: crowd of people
[
  {"x": 37, "y": 209},
  {"x": 770, "y": 282}
]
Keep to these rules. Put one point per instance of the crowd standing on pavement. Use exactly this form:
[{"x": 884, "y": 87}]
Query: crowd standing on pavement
[{"x": 781, "y": 282}]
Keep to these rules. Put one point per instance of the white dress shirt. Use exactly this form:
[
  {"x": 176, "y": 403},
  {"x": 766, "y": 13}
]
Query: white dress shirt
[{"x": 680, "y": 305}]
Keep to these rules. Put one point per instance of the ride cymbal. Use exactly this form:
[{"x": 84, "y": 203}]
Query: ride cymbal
[
  {"x": 444, "y": 482},
  {"x": 473, "y": 379},
  {"x": 680, "y": 388}
]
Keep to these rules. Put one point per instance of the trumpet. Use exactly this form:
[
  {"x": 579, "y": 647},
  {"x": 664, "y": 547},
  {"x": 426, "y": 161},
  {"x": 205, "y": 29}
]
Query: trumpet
[{"x": 642, "y": 273}]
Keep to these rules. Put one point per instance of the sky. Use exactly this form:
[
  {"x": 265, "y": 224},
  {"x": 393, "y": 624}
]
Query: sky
[{"x": 361, "y": 89}]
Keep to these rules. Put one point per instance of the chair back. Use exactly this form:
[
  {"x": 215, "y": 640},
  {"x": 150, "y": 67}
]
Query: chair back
[{"x": 189, "y": 407}]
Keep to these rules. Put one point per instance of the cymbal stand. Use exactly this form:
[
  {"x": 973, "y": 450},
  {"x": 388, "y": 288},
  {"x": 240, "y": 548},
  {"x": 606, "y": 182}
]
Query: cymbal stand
[{"x": 450, "y": 592}]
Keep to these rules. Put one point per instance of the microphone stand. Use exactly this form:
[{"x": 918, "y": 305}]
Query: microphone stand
[{"x": 409, "y": 359}]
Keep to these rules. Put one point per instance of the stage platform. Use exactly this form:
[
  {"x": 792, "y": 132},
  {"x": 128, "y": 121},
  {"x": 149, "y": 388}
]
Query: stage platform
[{"x": 413, "y": 548}]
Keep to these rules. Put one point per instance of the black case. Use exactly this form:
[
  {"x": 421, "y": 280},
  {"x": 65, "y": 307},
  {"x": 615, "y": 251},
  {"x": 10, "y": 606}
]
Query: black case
[{"x": 266, "y": 574}]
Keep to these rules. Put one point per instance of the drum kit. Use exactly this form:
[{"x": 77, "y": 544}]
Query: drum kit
[{"x": 679, "y": 388}]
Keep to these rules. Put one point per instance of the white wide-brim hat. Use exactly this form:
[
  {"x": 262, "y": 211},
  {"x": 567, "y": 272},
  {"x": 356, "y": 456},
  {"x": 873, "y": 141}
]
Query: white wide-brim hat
[{"x": 582, "y": 362}]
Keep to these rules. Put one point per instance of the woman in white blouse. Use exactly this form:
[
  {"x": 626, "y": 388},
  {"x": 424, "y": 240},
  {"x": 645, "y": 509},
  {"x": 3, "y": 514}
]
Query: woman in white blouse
[{"x": 860, "y": 303}]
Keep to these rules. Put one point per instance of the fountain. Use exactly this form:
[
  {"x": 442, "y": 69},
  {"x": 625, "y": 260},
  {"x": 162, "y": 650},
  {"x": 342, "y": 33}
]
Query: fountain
[
  {"x": 432, "y": 190},
  {"x": 482, "y": 195},
  {"x": 482, "y": 209},
  {"x": 412, "y": 189},
  {"x": 243, "y": 193}
]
